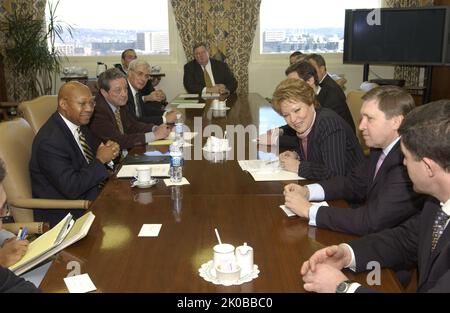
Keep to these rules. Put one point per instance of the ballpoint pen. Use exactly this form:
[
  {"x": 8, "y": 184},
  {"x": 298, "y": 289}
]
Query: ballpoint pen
[
  {"x": 19, "y": 234},
  {"x": 24, "y": 233}
]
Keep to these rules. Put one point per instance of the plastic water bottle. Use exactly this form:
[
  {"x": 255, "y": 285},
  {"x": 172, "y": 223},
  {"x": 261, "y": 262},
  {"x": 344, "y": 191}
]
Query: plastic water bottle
[
  {"x": 179, "y": 128},
  {"x": 176, "y": 162}
]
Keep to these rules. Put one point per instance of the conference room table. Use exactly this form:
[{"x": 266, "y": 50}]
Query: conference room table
[{"x": 220, "y": 195}]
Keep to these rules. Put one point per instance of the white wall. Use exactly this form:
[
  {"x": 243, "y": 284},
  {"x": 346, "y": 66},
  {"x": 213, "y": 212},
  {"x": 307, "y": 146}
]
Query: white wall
[{"x": 265, "y": 71}]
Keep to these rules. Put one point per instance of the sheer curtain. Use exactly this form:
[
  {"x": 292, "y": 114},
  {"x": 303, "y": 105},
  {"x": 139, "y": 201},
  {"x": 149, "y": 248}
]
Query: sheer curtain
[{"x": 227, "y": 26}]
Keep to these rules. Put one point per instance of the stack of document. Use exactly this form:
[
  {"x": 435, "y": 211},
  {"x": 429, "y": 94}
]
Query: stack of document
[
  {"x": 59, "y": 237},
  {"x": 157, "y": 170},
  {"x": 263, "y": 170},
  {"x": 187, "y": 136},
  {"x": 187, "y": 103}
]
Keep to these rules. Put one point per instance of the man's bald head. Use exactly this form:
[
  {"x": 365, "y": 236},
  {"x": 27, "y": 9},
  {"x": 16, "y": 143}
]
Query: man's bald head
[{"x": 75, "y": 102}]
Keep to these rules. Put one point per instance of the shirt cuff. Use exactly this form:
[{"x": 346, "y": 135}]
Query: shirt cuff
[
  {"x": 353, "y": 287},
  {"x": 204, "y": 90},
  {"x": 316, "y": 192},
  {"x": 313, "y": 213},
  {"x": 149, "y": 137},
  {"x": 352, "y": 264},
  {"x": 164, "y": 117}
]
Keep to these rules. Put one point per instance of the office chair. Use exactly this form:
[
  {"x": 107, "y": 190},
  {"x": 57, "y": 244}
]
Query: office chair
[
  {"x": 37, "y": 111},
  {"x": 354, "y": 103},
  {"x": 16, "y": 138}
]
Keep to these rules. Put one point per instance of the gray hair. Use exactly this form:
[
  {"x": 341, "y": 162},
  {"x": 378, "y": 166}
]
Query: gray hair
[{"x": 135, "y": 63}]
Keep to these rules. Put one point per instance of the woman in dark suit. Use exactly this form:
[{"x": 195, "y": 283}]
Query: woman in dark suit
[{"x": 326, "y": 145}]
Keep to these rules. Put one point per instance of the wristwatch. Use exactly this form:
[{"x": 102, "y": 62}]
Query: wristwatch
[{"x": 343, "y": 287}]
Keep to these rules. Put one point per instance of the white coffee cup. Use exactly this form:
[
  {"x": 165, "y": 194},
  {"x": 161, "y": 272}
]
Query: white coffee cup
[
  {"x": 221, "y": 105},
  {"x": 143, "y": 174},
  {"x": 229, "y": 273},
  {"x": 223, "y": 254}
]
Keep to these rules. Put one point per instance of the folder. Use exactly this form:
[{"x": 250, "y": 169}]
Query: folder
[{"x": 65, "y": 233}]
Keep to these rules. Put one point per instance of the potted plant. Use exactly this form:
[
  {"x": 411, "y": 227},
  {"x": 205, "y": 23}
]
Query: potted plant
[{"x": 29, "y": 49}]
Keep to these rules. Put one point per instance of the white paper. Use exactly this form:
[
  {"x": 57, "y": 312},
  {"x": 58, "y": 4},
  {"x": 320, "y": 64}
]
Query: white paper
[
  {"x": 183, "y": 181},
  {"x": 150, "y": 230},
  {"x": 281, "y": 175},
  {"x": 188, "y": 95},
  {"x": 187, "y": 136},
  {"x": 289, "y": 213},
  {"x": 79, "y": 284},
  {"x": 264, "y": 170},
  {"x": 158, "y": 170},
  {"x": 189, "y": 105}
]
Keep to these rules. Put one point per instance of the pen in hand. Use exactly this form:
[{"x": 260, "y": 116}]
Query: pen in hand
[
  {"x": 24, "y": 233},
  {"x": 19, "y": 234}
]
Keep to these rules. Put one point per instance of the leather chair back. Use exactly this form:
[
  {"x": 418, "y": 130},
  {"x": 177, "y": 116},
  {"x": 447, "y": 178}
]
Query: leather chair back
[
  {"x": 16, "y": 139},
  {"x": 354, "y": 103},
  {"x": 38, "y": 111}
]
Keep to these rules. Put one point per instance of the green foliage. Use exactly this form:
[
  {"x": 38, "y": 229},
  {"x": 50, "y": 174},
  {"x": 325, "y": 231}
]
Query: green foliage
[{"x": 30, "y": 47}]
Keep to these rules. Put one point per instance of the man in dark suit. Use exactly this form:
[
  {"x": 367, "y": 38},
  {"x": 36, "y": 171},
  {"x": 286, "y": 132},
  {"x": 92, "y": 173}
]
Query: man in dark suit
[
  {"x": 331, "y": 94},
  {"x": 380, "y": 185},
  {"x": 66, "y": 161},
  {"x": 423, "y": 240},
  {"x": 204, "y": 74},
  {"x": 325, "y": 145},
  {"x": 112, "y": 120},
  {"x": 149, "y": 108}
]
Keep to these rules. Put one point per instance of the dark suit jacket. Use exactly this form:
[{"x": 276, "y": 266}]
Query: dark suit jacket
[
  {"x": 333, "y": 148},
  {"x": 194, "y": 81},
  {"x": 104, "y": 126},
  {"x": 151, "y": 111},
  {"x": 331, "y": 96},
  {"x": 409, "y": 245},
  {"x": 59, "y": 170},
  {"x": 9, "y": 282},
  {"x": 388, "y": 200}
]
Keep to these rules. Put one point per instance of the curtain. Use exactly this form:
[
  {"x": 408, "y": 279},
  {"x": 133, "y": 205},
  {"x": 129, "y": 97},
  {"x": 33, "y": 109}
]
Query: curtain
[
  {"x": 411, "y": 74},
  {"x": 226, "y": 26},
  {"x": 15, "y": 89}
]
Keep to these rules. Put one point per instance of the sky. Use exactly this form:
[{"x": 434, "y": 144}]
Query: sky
[
  {"x": 274, "y": 14},
  {"x": 147, "y": 14}
]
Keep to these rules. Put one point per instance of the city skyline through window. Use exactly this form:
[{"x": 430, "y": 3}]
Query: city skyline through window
[
  {"x": 107, "y": 27},
  {"x": 309, "y": 26}
]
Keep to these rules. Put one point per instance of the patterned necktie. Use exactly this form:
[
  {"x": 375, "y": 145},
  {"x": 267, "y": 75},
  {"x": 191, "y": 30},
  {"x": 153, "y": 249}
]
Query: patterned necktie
[
  {"x": 84, "y": 146},
  {"x": 138, "y": 100},
  {"x": 380, "y": 161},
  {"x": 438, "y": 227},
  {"x": 208, "y": 82},
  {"x": 118, "y": 120}
]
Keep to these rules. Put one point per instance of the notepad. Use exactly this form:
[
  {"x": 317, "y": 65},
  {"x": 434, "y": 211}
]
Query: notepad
[
  {"x": 150, "y": 230},
  {"x": 162, "y": 142},
  {"x": 158, "y": 170},
  {"x": 79, "y": 284},
  {"x": 188, "y": 95},
  {"x": 183, "y": 181},
  {"x": 261, "y": 171},
  {"x": 190, "y": 106},
  {"x": 59, "y": 237}
]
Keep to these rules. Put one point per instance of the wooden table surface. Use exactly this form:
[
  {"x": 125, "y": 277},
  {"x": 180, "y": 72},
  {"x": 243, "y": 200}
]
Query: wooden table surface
[{"x": 220, "y": 195}]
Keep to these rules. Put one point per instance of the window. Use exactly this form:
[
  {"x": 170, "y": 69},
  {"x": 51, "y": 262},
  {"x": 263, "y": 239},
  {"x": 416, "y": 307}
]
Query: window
[
  {"x": 309, "y": 26},
  {"x": 107, "y": 27}
]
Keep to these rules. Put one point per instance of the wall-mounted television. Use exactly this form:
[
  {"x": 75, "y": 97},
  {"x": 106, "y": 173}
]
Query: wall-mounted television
[{"x": 410, "y": 36}]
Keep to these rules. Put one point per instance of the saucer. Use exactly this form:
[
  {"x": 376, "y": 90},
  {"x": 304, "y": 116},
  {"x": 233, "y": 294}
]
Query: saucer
[
  {"x": 144, "y": 185},
  {"x": 208, "y": 273},
  {"x": 222, "y": 109}
]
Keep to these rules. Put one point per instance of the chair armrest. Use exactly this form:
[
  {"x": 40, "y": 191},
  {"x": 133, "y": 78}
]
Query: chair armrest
[
  {"x": 48, "y": 204},
  {"x": 32, "y": 227}
]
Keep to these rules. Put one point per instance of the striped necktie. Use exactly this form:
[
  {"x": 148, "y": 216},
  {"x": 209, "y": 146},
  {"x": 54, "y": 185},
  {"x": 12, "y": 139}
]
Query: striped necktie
[
  {"x": 438, "y": 227},
  {"x": 118, "y": 120},
  {"x": 85, "y": 146},
  {"x": 208, "y": 82}
]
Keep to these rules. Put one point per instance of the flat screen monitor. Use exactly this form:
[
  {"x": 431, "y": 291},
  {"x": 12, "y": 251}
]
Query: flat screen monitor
[{"x": 413, "y": 36}]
